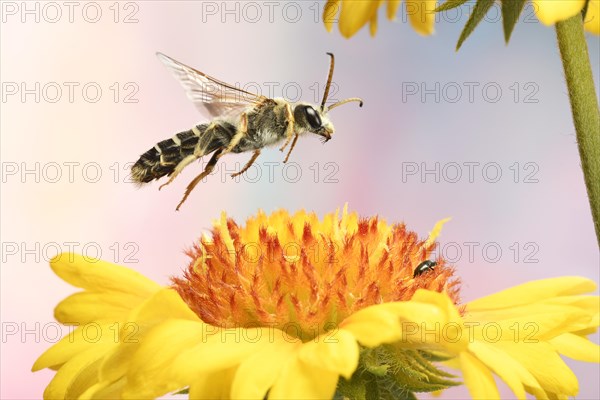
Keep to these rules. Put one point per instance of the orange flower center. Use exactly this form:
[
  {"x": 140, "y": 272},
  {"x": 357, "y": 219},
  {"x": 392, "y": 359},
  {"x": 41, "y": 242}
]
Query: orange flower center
[{"x": 303, "y": 275}]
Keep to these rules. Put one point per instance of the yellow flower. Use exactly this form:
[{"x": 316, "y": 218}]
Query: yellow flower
[
  {"x": 550, "y": 12},
  {"x": 297, "y": 307},
  {"x": 354, "y": 14},
  {"x": 519, "y": 333},
  {"x": 110, "y": 293},
  {"x": 592, "y": 17}
]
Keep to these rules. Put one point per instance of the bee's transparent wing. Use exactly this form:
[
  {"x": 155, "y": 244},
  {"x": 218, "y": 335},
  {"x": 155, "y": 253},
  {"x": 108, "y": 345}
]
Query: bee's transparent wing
[{"x": 211, "y": 96}]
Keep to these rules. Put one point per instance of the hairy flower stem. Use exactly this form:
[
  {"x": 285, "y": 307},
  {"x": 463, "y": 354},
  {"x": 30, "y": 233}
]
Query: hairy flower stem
[{"x": 584, "y": 105}]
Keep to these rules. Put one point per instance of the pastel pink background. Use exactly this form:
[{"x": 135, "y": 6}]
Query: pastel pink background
[{"x": 369, "y": 148}]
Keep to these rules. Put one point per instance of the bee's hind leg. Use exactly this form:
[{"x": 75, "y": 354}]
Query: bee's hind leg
[
  {"x": 241, "y": 132},
  {"x": 182, "y": 164},
  {"x": 248, "y": 164},
  {"x": 207, "y": 170}
]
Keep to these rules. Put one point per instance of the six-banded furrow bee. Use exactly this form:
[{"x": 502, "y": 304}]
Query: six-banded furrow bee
[{"x": 242, "y": 121}]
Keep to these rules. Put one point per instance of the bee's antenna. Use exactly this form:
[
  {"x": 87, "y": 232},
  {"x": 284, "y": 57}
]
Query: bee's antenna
[
  {"x": 329, "y": 78},
  {"x": 342, "y": 102}
]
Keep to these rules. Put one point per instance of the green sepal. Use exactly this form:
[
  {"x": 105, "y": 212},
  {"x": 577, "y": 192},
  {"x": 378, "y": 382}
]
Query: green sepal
[
  {"x": 371, "y": 361},
  {"x": 511, "y": 10},
  {"x": 389, "y": 372},
  {"x": 355, "y": 389},
  {"x": 479, "y": 11},
  {"x": 369, "y": 387},
  {"x": 414, "y": 372},
  {"x": 435, "y": 357},
  {"x": 449, "y": 5}
]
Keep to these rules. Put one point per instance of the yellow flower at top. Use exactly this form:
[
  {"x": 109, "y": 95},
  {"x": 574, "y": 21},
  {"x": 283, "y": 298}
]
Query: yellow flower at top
[
  {"x": 550, "y": 12},
  {"x": 592, "y": 17},
  {"x": 354, "y": 14},
  {"x": 293, "y": 306}
]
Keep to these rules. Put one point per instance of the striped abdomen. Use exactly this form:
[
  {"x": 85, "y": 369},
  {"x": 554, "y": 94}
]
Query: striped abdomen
[{"x": 162, "y": 159}]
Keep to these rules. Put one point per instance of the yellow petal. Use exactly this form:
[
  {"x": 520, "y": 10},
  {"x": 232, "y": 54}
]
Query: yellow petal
[
  {"x": 104, "y": 390},
  {"x": 154, "y": 358},
  {"x": 550, "y": 12},
  {"x": 299, "y": 380},
  {"x": 336, "y": 351},
  {"x": 165, "y": 304},
  {"x": 421, "y": 15},
  {"x": 590, "y": 304},
  {"x": 592, "y": 17},
  {"x": 213, "y": 385},
  {"x": 86, "y": 307},
  {"x": 77, "y": 374},
  {"x": 509, "y": 370},
  {"x": 532, "y": 292},
  {"x": 441, "y": 300},
  {"x": 576, "y": 347},
  {"x": 391, "y": 322},
  {"x": 330, "y": 11},
  {"x": 435, "y": 232},
  {"x": 540, "y": 394},
  {"x": 392, "y": 8},
  {"x": 529, "y": 323},
  {"x": 478, "y": 378},
  {"x": 373, "y": 25},
  {"x": 355, "y": 14},
  {"x": 586, "y": 332},
  {"x": 98, "y": 275},
  {"x": 257, "y": 374},
  {"x": 373, "y": 326},
  {"x": 225, "y": 348},
  {"x": 448, "y": 330},
  {"x": 80, "y": 340},
  {"x": 541, "y": 360}
]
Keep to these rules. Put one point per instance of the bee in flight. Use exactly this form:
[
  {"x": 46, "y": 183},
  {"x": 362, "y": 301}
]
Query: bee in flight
[{"x": 242, "y": 122}]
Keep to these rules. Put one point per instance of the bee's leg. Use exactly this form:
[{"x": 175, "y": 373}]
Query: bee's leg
[
  {"x": 241, "y": 132},
  {"x": 248, "y": 164},
  {"x": 291, "y": 148},
  {"x": 199, "y": 151},
  {"x": 289, "y": 130},
  {"x": 287, "y": 141},
  {"x": 182, "y": 164},
  {"x": 207, "y": 170}
]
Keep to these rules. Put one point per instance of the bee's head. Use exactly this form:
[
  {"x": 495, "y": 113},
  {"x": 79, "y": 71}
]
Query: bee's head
[{"x": 313, "y": 118}]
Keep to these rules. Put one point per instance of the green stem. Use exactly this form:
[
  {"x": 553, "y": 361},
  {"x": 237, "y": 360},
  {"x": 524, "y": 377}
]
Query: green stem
[{"x": 584, "y": 105}]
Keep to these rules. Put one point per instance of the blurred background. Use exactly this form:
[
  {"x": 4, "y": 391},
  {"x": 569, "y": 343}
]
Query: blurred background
[{"x": 483, "y": 135}]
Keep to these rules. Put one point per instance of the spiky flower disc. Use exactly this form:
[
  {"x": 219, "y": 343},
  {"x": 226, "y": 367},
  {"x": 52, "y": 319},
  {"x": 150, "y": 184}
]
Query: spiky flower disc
[{"x": 303, "y": 275}]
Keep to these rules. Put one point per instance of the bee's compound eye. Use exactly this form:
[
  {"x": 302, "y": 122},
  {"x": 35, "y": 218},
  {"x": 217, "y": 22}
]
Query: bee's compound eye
[
  {"x": 312, "y": 117},
  {"x": 425, "y": 266}
]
